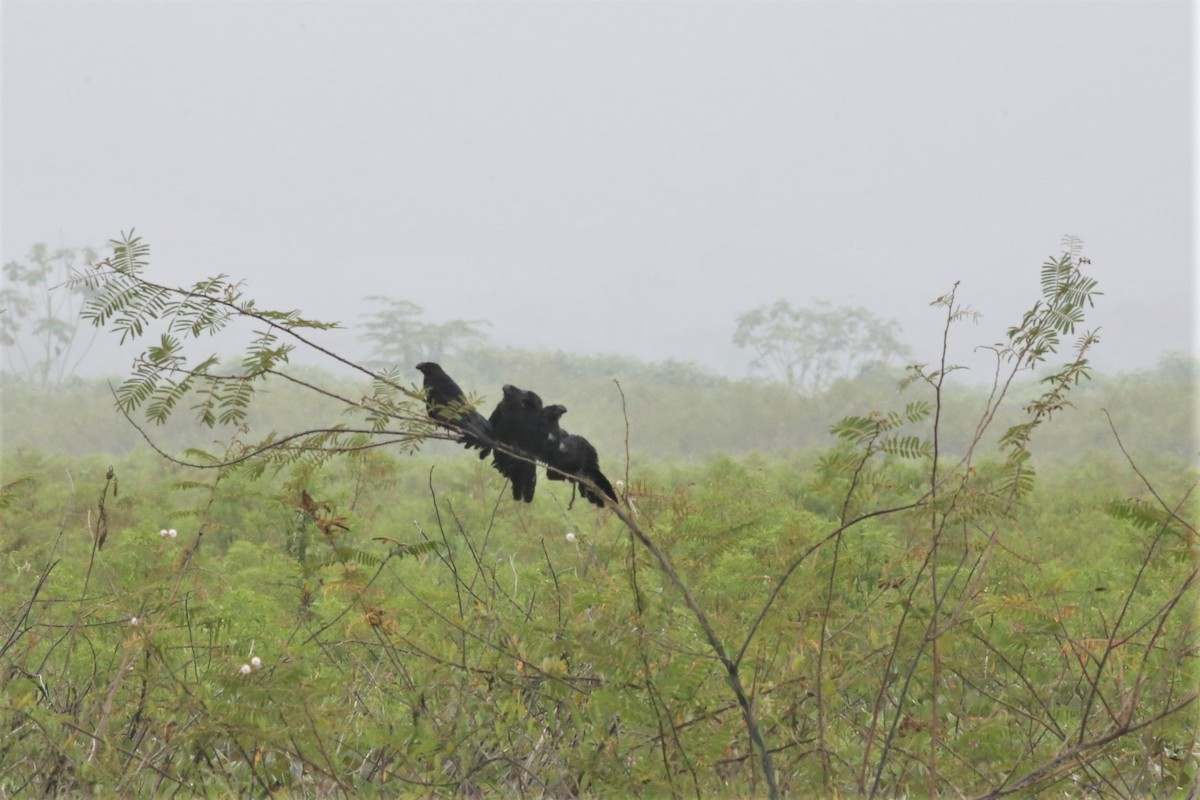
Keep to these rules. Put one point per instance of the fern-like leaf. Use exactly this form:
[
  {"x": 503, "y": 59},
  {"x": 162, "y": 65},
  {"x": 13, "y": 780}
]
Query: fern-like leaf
[
  {"x": 1140, "y": 514},
  {"x": 906, "y": 446},
  {"x": 917, "y": 411},
  {"x": 855, "y": 429}
]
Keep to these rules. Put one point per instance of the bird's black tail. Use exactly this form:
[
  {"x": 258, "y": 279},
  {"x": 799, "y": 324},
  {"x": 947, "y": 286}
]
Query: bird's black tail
[
  {"x": 476, "y": 433},
  {"x": 598, "y": 478}
]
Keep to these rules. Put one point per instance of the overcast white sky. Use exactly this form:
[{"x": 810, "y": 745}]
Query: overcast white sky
[{"x": 619, "y": 177}]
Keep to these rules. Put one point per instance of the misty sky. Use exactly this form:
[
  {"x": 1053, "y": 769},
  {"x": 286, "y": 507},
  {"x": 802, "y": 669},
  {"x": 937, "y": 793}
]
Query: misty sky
[{"x": 619, "y": 177}]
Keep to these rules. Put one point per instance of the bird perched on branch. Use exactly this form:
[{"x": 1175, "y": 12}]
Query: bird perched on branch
[
  {"x": 447, "y": 404},
  {"x": 517, "y": 422},
  {"x": 572, "y": 458}
]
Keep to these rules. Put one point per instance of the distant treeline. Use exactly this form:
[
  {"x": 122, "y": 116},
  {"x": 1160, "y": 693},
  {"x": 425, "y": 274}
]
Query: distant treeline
[{"x": 675, "y": 410}]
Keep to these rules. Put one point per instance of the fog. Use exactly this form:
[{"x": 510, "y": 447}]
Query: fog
[{"x": 619, "y": 177}]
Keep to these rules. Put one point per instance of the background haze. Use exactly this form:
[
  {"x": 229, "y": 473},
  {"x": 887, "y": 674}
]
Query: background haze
[{"x": 621, "y": 178}]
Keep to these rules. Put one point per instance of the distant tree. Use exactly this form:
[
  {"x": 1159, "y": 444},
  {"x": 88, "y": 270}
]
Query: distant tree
[
  {"x": 1178, "y": 366},
  {"x": 399, "y": 336},
  {"x": 39, "y": 315},
  {"x": 807, "y": 348}
]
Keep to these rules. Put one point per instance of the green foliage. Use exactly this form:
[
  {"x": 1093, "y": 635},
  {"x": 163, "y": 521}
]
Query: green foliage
[
  {"x": 122, "y": 299},
  {"x": 907, "y": 614},
  {"x": 487, "y": 653},
  {"x": 39, "y": 315},
  {"x": 1065, "y": 293},
  {"x": 807, "y": 348},
  {"x": 10, "y": 491}
]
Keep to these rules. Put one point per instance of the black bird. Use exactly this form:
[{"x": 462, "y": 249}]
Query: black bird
[
  {"x": 447, "y": 404},
  {"x": 518, "y": 423},
  {"x": 573, "y": 455}
]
